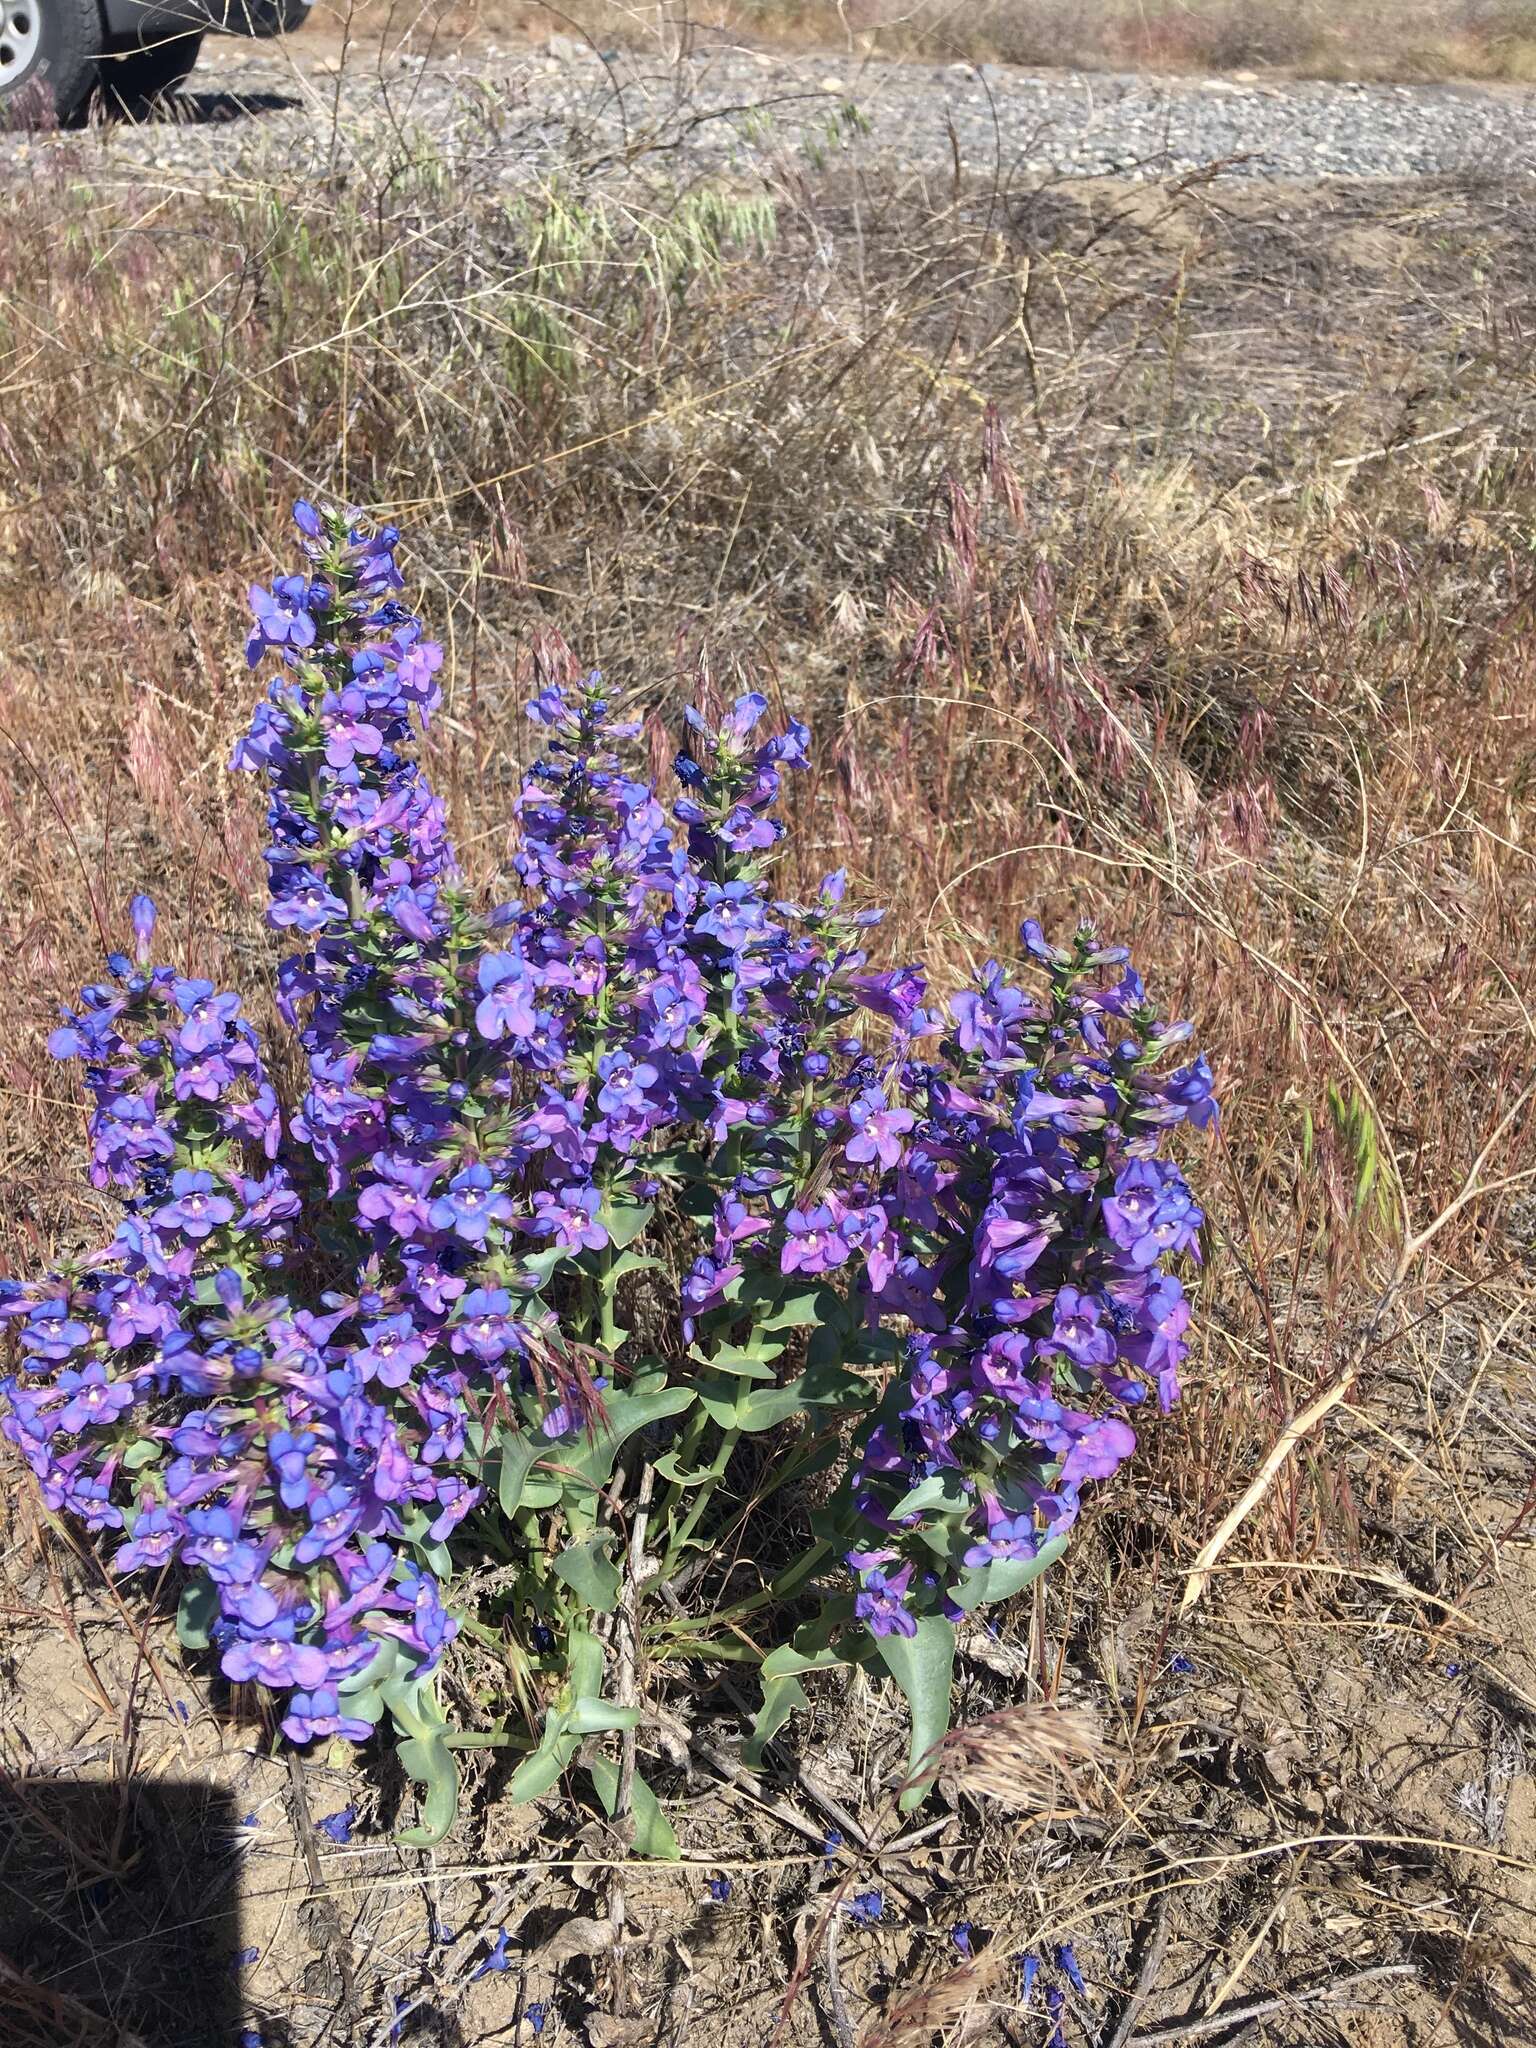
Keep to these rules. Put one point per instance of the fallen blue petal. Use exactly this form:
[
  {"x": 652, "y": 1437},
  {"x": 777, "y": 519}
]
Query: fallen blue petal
[
  {"x": 496, "y": 1960},
  {"x": 338, "y": 1826}
]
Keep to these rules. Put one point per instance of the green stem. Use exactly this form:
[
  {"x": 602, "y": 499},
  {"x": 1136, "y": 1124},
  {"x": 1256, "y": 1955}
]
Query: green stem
[
  {"x": 609, "y": 1336},
  {"x": 703, "y": 1494},
  {"x": 687, "y": 1450}
]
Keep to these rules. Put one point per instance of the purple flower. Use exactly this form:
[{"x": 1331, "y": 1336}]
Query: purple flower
[
  {"x": 1067, "y": 1961},
  {"x": 393, "y": 1351},
  {"x": 207, "y": 1015},
  {"x": 569, "y": 1216},
  {"x": 733, "y": 914},
  {"x": 1190, "y": 1091},
  {"x": 895, "y": 995},
  {"x": 93, "y": 1398},
  {"x": 348, "y": 730},
  {"x": 506, "y": 1007},
  {"x": 195, "y": 1209},
  {"x": 881, "y": 1603},
  {"x": 51, "y": 1332},
  {"x": 814, "y": 1243},
  {"x": 313, "y": 1714},
  {"x": 1099, "y": 1451},
  {"x": 156, "y": 1533},
  {"x": 301, "y": 903},
  {"x": 280, "y": 618},
  {"x": 1007, "y": 1537},
  {"x": 878, "y": 1130},
  {"x": 1077, "y": 1329},
  {"x": 338, "y": 1826},
  {"x": 274, "y": 1661},
  {"x": 866, "y": 1907},
  {"x": 218, "y": 1545},
  {"x": 471, "y": 1205},
  {"x": 624, "y": 1081},
  {"x": 333, "y": 1516},
  {"x": 719, "y": 1889},
  {"x": 484, "y": 1326}
]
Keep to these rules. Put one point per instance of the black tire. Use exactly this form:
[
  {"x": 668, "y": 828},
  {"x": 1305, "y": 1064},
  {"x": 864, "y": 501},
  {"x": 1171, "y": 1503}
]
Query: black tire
[
  {"x": 48, "y": 52},
  {"x": 266, "y": 17},
  {"x": 133, "y": 79}
]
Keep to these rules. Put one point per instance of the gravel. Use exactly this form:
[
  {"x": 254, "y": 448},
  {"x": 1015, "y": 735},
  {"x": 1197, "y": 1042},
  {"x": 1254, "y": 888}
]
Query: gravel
[{"x": 294, "y": 112}]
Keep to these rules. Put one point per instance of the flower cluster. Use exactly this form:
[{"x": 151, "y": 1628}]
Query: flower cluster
[
  {"x": 1041, "y": 1228},
  {"x": 326, "y": 1346}
]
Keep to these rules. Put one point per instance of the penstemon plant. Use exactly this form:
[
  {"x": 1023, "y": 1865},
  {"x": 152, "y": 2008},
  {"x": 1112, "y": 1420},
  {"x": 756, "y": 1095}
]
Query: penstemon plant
[{"x": 583, "y": 1192}]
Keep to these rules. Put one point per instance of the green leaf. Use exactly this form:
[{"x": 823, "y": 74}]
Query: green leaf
[
  {"x": 514, "y": 1460},
  {"x": 631, "y": 1262},
  {"x": 424, "y": 1756},
  {"x": 536, "y": 1268},
  {"x": 783, "y": 1694},
  {"x": 827, "y": 1383},
  {"x": 805, "y": 1306},
  {"x": 747, "y": 1406},
  {"x": 923, "y": 1666},
  {"x": 541, "y": 1772},
  {"x": 653, "y": 1831},
  {"x": 587, "y": 1569},
  {"x": 380, "y": 1668},
  {"x": 600, "y": 1717},
  {"x": 143, "y": 1453},
  {"x": 781, "y": 1698},
  {"x": 583, "y": 1663},
  {"x": 744, "y": 1360},
  {"x": 624, "y": 1221},
  {"x": 980, "y": 1584},
  {"x": 414, "y": 1525},
  {"x": 196, "y": 1612},
  {"x": 585, "y": 1467},
  {"x": 943, "y": 1490},
  {"x": 428, "y": 1759},
  {"x": 668, "y": 1467}
]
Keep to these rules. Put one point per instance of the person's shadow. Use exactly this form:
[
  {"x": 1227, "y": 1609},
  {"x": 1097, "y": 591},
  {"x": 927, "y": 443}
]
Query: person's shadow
[{"x": 120, "y": 1917}]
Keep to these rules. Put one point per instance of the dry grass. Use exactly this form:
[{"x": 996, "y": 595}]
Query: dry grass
[
  {"x": 1389, "y": 39},
  {"x": 1157, "y": 556}
]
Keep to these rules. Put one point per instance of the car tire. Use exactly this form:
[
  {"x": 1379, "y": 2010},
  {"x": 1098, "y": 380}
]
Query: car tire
[
  {"x": 48, "y": 52},
  {"x": 133, "y": 78},
  {"x": 267, "y": 17}
]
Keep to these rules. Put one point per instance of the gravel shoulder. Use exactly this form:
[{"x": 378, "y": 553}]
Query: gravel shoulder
[{"x": 299, "y": 110}]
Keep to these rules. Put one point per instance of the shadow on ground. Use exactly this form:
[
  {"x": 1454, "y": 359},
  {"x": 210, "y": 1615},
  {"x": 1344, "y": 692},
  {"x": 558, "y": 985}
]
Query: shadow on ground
[
  {"x": 120, "y": 1917},
  {"x": 205, "y": 109}
]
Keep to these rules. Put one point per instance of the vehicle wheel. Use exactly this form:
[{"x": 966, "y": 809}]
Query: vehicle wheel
[
  {"x": 48, "y": 51},
  {"x": 132, "y": 79},
  {"x": 266, "y": 17}
]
